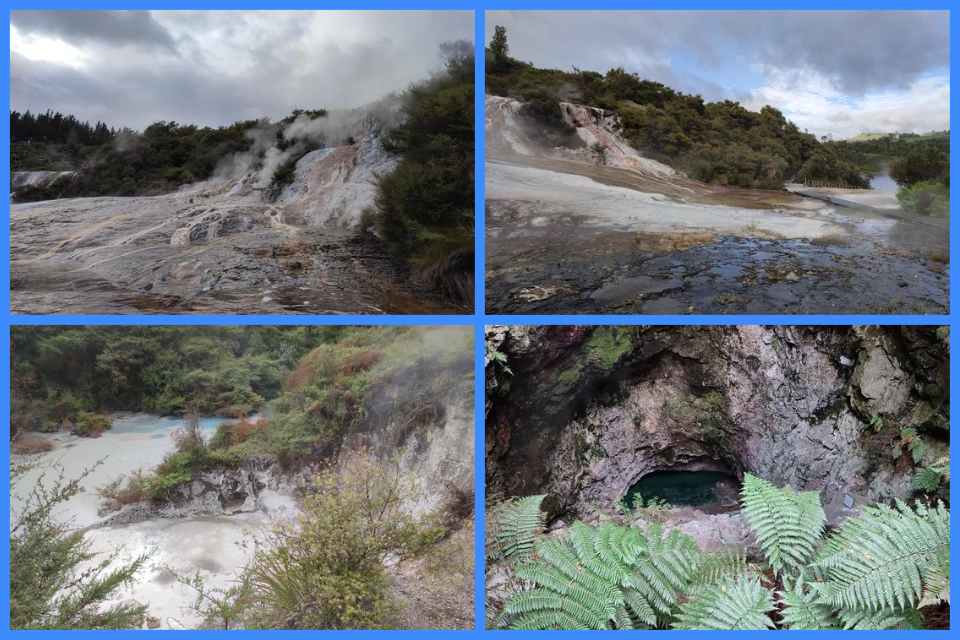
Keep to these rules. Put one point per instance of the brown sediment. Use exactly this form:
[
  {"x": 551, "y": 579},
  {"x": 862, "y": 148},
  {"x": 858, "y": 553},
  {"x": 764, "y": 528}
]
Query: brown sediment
[
  {"x": 832, "y": 240},
  {"x": 667, "y": 242}
]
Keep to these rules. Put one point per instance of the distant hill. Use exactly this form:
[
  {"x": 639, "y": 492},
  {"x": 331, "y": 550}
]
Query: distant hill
[
  {"x": 718, "y": 142},
  {"x": 866, "y": 137}
]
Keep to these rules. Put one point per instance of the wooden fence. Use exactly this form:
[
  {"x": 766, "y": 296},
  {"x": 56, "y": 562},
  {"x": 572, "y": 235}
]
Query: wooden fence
[{"x": 829, "y": 185}]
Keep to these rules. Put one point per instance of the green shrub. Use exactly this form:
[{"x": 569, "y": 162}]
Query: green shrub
[
  {"x": 326, "y": 571},
  {"x": 56, "y": 581},
  {"x": 91, "y": 425},
  {"x": 425, "y": 206},
  {"x": 224, "y": 435},
  {"x": 927, "y": 198}
]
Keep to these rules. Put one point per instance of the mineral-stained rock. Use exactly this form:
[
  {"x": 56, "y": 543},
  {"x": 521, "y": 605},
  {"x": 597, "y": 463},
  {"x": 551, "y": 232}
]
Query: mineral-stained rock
[{"x": 212, "y": 493}]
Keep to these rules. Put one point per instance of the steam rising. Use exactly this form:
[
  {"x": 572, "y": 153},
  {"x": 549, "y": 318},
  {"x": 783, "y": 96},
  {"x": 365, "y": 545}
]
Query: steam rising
[{"x": 274, "y": 144}]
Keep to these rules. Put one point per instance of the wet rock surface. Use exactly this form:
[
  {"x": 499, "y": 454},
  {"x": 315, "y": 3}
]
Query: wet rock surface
[
  {"x": 200, "y": 253},
  {"x": 590, "y": 410},
  {"x": 566, "y": 236},
  {"x": 733, "y": 275}
]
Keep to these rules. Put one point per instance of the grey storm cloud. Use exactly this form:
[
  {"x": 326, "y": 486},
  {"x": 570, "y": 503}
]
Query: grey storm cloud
[
  {"x": 115, "y": 27},
  {"x": 859, "y": 51},
  {"x": 218, "y": 67}
]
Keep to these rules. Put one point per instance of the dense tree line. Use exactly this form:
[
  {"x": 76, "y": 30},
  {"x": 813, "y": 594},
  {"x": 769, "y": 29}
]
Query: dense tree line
[
  {"x": 60, "y": 372},
  {"x": 160, "y": 159},
  {"x": 718, "y": 142},
  {"x": 425, "y": 207},
  {"x": 874, "y": 154},
  {"x": 57, "y": 127}
]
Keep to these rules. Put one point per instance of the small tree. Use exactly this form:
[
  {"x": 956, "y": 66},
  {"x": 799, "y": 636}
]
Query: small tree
[
  {"x": 326, "y": 569},
  {"x": 498, "y": 43},
  {"x": 56, "y": 582},
  {"x": 599, "y": 151}
]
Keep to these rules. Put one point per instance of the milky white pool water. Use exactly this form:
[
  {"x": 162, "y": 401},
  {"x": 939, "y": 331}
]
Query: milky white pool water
[{"x": 214, "y": 546}]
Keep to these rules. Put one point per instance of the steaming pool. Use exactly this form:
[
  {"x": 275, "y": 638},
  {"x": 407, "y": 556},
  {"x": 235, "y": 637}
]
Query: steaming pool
[{"x": 211, "y": 545}]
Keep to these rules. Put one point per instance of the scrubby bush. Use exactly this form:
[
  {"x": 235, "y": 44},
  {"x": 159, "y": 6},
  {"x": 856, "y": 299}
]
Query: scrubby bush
[
  {"x": 91, "y": 425},
  {"x": 126, "y": 490},
  {"x": 426, "y": 205},
  {"x": 28, "y": 445},
  {"x": 326, "y": 569},
  {"x": 929, "y": 198},
  {"x": 56, "y": 581}
]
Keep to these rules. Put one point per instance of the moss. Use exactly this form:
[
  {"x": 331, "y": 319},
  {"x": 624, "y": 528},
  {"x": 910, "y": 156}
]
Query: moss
[
  {"x": 715, "y": 398},
  {"x": 580, "y": 447},
  {"x": 708, "y": 418},
  {"x": 606, "y": 347}
]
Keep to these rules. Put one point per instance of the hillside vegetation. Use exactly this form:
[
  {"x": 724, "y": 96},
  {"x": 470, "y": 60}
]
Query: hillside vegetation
[
  {"x": 425, "y": 207},
  {"x": 717, "y": 142},
  {"x": 341, "y": 410}
]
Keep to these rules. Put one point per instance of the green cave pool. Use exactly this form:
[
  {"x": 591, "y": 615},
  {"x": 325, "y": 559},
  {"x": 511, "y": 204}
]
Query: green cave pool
[{"x": 686, "y": 488}]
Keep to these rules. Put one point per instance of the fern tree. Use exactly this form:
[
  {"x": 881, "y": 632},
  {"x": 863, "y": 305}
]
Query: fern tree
[
  {"x": 788, "y": 524},
  {"x": 875, "y": 572},
  {"x": 608, "y": 577}
]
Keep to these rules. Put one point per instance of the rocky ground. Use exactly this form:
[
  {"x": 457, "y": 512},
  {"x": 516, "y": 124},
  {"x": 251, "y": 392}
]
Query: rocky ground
[{"x": 566, "y": 235}]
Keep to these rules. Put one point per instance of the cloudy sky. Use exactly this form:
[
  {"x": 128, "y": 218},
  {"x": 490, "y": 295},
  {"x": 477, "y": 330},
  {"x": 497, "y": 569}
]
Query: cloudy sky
[
  {"x": 839, "y": 73},
  {"x": 131, "y": 68}
]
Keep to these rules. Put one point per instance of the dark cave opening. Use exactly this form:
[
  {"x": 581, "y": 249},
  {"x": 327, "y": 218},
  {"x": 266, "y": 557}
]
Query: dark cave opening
[{"x": 706, "y": 489}]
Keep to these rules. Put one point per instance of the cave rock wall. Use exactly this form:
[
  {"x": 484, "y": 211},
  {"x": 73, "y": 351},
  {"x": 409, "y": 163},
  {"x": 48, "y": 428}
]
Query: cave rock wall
[{"x": 581, "y": 413}]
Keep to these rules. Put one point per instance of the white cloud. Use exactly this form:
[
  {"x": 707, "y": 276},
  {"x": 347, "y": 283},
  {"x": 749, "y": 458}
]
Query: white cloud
[
  {"x": 814, "y": 102},
  {"x": 216, "y": 67},
  {"x": 45, "y": 49}
]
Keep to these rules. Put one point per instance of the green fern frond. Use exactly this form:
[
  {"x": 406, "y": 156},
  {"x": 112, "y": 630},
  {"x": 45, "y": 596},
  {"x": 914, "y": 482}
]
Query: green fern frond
[
  {"x": 666, "y": 569},
  {"x": 887, "y": 558},
  {"x": 517, "y": 526},
  {"x": 741, "y": 605},
  {"x": 927, "y": 480},
  {"x": 603, "y": 578},
  {"x": 727, "y": 565},
  {"x": 879, "y": 620},
  {"x": 788, "y": 525},
  {"x": 802, "y": 610},
  {"x": 572, "y": 579}
]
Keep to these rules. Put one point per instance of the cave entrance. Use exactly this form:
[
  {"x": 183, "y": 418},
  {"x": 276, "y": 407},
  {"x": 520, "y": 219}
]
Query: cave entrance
[{"x": 707, "y": 490}]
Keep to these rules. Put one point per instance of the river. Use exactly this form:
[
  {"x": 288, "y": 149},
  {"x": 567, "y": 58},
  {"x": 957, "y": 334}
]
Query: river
[{"x": 211, "y": 545}]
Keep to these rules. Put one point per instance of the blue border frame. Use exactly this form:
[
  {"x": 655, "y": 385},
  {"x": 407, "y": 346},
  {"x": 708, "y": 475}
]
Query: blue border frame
[{"x": 479, "y": 319}]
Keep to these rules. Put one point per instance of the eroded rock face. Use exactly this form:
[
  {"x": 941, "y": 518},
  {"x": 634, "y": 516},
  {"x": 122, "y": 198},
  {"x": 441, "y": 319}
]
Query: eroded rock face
[
  {"x": 213, "y": 493},
  {"x": 588, "y": 411}
]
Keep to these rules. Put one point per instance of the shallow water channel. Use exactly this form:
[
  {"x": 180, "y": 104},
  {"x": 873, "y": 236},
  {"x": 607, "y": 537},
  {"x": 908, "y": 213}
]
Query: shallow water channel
[{"x": 211, "y": 545}]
